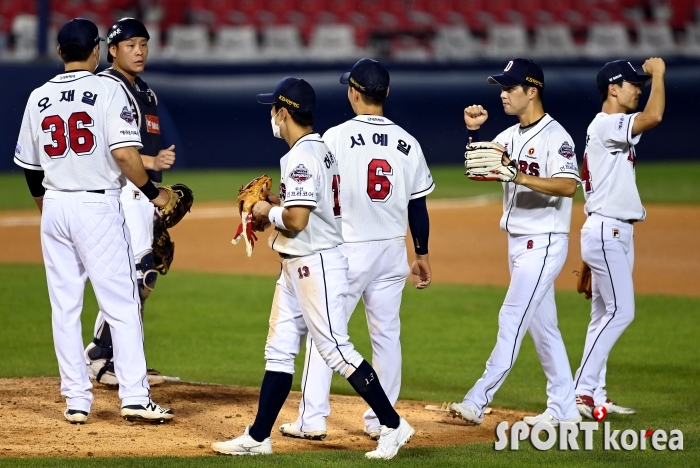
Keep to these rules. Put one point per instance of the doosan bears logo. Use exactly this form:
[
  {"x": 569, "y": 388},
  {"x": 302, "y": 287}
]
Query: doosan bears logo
[
  {"x": 127, "y": 115},
  {"x": 300, "y": 174},
  {"x": 567, "y": 150}
]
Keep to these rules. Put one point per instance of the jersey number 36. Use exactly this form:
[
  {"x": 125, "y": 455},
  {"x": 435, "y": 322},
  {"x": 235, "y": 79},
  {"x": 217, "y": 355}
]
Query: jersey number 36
[{"x": 76, "y": 135}]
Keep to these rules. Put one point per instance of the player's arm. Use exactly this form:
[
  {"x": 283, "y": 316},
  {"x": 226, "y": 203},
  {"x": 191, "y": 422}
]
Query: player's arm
[
  {"x": 129, "y": 161},
  {"x": 35, "y": 181},
  {"x": 163, "y": 160},
  {"x": 294, "y": 218},
  {"x": 419, "y": 224},
  {"x": 653, "y": 112},
  {"x": 555, "y": 186},
  {"x": 474, "y": 117}
]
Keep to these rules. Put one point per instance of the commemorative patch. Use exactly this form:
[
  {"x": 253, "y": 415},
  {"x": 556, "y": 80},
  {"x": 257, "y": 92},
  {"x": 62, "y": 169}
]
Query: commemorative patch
[
  {"x": 300, "y": 174},
  {"x": 567, "y": 150},
  {"x": 127, "y": 115}
]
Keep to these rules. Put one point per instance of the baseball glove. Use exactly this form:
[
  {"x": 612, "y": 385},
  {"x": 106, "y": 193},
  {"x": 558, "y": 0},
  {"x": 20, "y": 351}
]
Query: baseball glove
[
  {"x": 486, "y": 161},
  {"x": 163, "y": 247},
  {"x": 583, "y": 285},
  {"x": 180, "y": 199},
  {"x": 248, "y": 196}
]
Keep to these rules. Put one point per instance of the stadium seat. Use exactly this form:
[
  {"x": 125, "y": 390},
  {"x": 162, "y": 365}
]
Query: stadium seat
[
  {"x": 187, "y": 42},
  {"x": 655, "y": 39},
  {"x": 506, "y": 41},
  {"x": 333, "y": 42},
  {"x": 555, "y": 41},
  {"x": 281, "y": 43},
  {"x": 407, "y": 48},
  {"x": 24, "y": 30},
  {"x": 453, "y": 43},
  {"x": 236, "y": 44},
  {"x": 607, "y": 40},
  {"x": 691, "y": 43}
]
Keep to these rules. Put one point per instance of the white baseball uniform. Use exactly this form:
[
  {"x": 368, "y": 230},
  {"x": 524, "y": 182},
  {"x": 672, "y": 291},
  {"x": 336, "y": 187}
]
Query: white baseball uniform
[
  {"x": 382, "y": 168},
  {"x": 69, "y": 128},
  {"x": 607, "y": 241},
  {"x": 312, "y": 288},
  {"x": 537, "y": 227}
]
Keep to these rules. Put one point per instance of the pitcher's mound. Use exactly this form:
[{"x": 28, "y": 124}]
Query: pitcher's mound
[{"x": 32, "y": 423}]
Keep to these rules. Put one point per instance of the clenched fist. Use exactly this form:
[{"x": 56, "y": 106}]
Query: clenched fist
[
  {"x": 654, "y": 66},
  {"x": 475, "y": 116}
]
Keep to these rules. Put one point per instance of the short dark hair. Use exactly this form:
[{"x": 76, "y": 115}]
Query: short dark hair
[
  {"x": 300, "y": 118},
  {"x": 604, "y": 95},
  {"x": 71, "y": 53},
  {"x": 372, "y": 101},
  {"x": 540, "y": 91}
]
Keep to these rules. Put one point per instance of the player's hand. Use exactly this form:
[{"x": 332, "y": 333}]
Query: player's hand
[
  {"x": 260, "y": 211},
  {"x": 420, "y": 270},
  {"x": 475, "y": 116},
  {"x": 161, "y": 199},
  {"x": 165, "y": 159},
  {"x": 271, "y": 197},
  {"x": 654, "y": 66}
]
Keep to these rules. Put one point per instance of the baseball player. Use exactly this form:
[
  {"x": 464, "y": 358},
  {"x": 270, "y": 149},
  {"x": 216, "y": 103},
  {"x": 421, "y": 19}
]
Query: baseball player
[
  {"x": 128, "y": 51},
  {"x": 77, "y": 143},
  {"x": 385, "y": 184},
  {"x": 542, "y": 179},
  {"x": 613, "y": 206},
  {"x": 311, "y": 291}
]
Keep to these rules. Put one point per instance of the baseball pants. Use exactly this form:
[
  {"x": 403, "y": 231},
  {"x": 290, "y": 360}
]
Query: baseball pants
[
  {"x": 535, "y": 261},
  {"x": 377, "y": 274},
  {"x": 84, "y": 235},
  {"x": 607, "y": 246},
  {"x": 310, "y": 298}
]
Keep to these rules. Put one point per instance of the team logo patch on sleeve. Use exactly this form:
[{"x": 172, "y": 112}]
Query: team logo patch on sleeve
[
  {"x": 127, "y": 115},
  {"x": 300, "y": 174},
  {"x": 567, "y": 150},
  {"x": 18, "y": 149}
]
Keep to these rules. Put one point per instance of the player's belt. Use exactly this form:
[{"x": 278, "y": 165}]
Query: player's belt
[
  {"x": 287, "y": 256},
  {"x": 96, "y": 191}
]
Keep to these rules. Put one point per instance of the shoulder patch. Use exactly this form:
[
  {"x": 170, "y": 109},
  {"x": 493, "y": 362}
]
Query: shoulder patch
[
  {"x": 300, "y": 174},
  {"x": 566, "y": 150},
  {"x": 18, "y": 149},
  {"x": 621, "y": 122},
  {"x": 127, "y": 115}
]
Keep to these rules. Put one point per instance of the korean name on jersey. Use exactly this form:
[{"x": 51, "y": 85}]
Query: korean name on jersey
[
  {"x": 69, "y": 128},
  {"x": 382, "y": 167},
  {"x": 309, "y": 177},
  {"x": 545, "y": 150}
]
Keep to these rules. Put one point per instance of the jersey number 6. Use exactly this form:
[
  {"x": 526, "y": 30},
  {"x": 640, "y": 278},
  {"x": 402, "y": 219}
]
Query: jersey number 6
[
  {"x": 378, "y": 184},
  {"x": 78, "y": 137}
]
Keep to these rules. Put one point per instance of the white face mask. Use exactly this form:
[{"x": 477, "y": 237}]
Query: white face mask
[{"x": 275, "y": 127}]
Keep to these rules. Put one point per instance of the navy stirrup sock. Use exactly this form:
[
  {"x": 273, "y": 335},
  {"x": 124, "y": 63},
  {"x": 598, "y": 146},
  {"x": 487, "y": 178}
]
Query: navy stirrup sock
[
  {"x": 273, "y": 392},
  {"x": 366, "y": 383}
]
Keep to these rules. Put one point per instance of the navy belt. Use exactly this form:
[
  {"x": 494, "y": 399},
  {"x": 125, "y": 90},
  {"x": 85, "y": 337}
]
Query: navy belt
[{"x": 96, "y": 191}]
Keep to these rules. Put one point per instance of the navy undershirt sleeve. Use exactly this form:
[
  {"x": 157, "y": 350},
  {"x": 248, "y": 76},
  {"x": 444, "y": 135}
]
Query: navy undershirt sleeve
[
  {"x": 419, "y": 224},
  {"x": 472, "y": 136},
  {"x": 34, "y": 182}
]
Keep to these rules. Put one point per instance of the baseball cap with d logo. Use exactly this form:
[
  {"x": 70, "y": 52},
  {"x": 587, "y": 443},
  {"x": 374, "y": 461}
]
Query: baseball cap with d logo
[
  {"x": 368, "y": 77},
  {"x": 520, "y": 72},
  {"x": 293, "y": 93}
]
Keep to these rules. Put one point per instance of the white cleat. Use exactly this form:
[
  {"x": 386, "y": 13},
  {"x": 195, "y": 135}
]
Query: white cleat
[
  {"x": 391, "y": 440},
  {"x": 150, "y": 412},
  {"x": 614, "y": 408},
  {"x": 585, "y": 406},
  {"x": 467, "y": 412},
  {"x": 549, "y": 419},
  {"x": 74, "y": 416},
  {"x": 243, "y": 445},
  {"x": 292, "y": 430},
  {"x": 373, "y": 433}
]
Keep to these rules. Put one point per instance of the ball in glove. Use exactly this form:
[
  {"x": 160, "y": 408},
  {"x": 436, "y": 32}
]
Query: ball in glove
[
  {"x": 488, "y": 161},
  {"x": 255, "y": 191}
]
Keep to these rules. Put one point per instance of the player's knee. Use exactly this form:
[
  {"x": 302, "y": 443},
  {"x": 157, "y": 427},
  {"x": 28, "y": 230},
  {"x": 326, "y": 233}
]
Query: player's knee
[{"x": 146, "y": 274}]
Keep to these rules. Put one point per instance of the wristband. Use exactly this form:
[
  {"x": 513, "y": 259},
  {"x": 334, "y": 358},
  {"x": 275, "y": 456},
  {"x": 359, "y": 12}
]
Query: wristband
[
  {"x": 275, "y": 217},
  {"x": 472, "y": 136},
  {"x": 150, "y": 190}
]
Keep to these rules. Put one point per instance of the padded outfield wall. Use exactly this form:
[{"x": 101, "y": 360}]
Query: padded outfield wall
[{"x": 210, "y": 112}]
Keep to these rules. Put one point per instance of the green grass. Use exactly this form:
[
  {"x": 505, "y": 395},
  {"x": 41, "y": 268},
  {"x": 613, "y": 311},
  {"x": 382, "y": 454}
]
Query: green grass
[
  {"x": 657, "y": 182},
  {"x": 212, "y": 327}
]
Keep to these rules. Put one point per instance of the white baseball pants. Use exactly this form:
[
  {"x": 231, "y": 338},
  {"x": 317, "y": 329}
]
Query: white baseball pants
[
  {"x": 607, "y": 246},
  {"x": 377, "y": 274},
  {"x": 310, "y": 297},
  {"x": 139, "y": 215},
  {"x": 535, "y": 262},
  {"x": 84, "y": 235}
]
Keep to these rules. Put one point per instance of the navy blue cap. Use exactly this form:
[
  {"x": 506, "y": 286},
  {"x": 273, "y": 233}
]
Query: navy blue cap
[
  {"x": 125, "y": 28},
  {"x": 78, "y": 34},
  {"x": 368, "y": 77},
  {"x": 293, "y": 93},
  {"x": 619, "y": 71},
  {"x": 520, "y": 72}
]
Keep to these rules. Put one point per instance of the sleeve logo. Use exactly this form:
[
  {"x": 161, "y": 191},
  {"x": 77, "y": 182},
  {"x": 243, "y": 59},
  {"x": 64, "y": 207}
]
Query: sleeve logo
[
  {"x": 300, "y": 174},
  {"x": 18, "y": 149},
  {"x": 127, "y": 115},
  {"x": 567, "y": 150}
]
